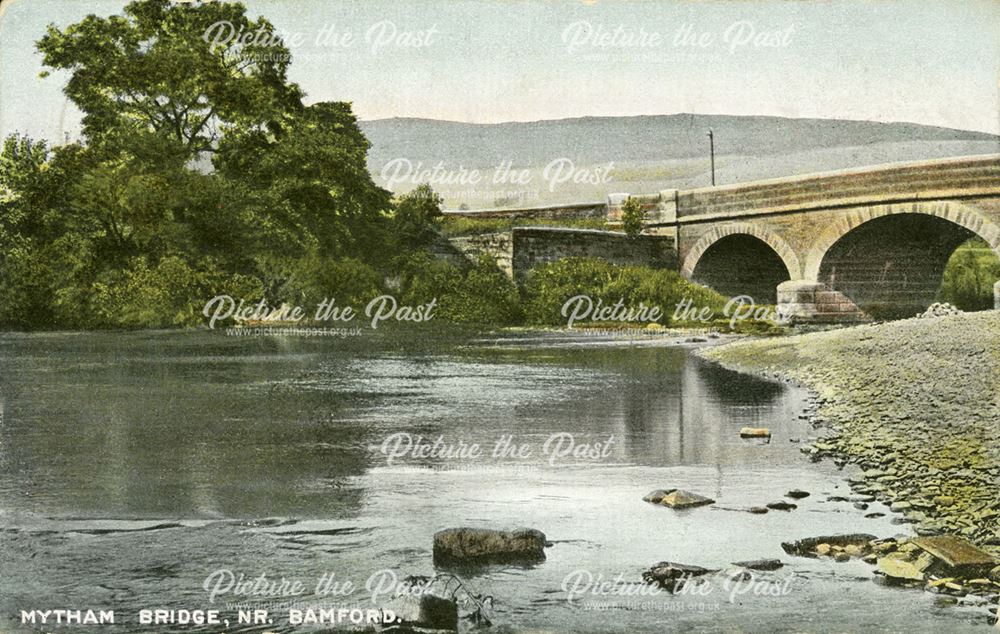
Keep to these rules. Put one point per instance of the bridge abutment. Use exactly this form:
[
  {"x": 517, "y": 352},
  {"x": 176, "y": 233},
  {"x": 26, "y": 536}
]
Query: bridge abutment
[{"x": 804, "y": 301}]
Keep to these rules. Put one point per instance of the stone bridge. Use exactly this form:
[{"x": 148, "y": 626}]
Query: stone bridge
[{"x": 837, "y": 246}]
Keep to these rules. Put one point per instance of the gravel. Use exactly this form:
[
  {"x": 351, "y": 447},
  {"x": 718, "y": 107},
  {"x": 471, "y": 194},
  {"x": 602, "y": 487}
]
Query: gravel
[{"x": 914, "y": 404}]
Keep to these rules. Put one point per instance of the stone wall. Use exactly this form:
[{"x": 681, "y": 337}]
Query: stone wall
[
  {"x": 533, "y": 246},
  {"x": 499, "y": 246},
  {"x": 550, "y": 212}
]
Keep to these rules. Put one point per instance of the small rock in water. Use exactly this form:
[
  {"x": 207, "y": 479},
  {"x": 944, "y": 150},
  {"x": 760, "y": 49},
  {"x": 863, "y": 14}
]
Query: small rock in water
[
  {"x": 755, "y": 432},
  {"x": 657, "y": 496},
  {"x": 684, "y": 499},
  {"x": 758, "y": 510},
  {"x": 874, "y": 515},
  {"x": 797, "y": 494},
  {"x": 672, "y": 575},
  {"x": 781, "y": 505},
  {"x": 760, "y": 564}
]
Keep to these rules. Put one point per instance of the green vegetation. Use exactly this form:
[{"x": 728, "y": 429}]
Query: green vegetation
[
  {"x": 632, "y": 217},
  {"x": 201, "y": 172},
  {"x": 969, "y": 277},
  {"x": 548, "y": 287}
]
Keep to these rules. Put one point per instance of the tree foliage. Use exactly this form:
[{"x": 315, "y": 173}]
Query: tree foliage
[
  {"x": 200, "y": 169},
  {"x": 632, "y": 217},
  {"x": 153, "y": 68}
]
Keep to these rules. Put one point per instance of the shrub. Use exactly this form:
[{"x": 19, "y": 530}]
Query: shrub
[
  {"x": 481, "y": 295},
  {"x": 549, "y": 286},
  {"x": 632, "y": 217},
  {"x": 315, "y": 278}
]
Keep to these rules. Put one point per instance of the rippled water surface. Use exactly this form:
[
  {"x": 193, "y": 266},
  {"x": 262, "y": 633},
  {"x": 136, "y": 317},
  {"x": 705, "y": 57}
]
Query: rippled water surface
[{"x": 134, "y": 465}]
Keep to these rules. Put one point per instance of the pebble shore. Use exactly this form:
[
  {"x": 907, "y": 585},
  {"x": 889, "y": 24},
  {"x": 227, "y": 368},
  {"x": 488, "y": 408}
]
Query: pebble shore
[{"x": 914, "y": 404}]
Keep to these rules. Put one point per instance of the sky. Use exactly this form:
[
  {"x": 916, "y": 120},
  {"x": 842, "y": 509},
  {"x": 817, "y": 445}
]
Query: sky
[{"x": 934, "y": 62}]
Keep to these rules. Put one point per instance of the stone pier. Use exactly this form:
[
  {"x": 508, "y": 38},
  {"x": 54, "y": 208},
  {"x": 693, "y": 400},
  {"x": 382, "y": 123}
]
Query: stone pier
[{"x": 803, "y": 301}]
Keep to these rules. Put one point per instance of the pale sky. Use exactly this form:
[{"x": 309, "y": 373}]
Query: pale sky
[{"x": 934, "y": 62}]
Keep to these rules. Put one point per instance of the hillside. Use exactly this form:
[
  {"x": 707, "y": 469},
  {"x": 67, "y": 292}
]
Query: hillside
[{"x": 649, "y": 152}]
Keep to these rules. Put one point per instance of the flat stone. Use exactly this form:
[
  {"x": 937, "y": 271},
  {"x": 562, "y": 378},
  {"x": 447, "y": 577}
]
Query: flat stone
[
  {"x": 797, "y": 494},
  {"x": 758, "y": 510},
  {"x": 657, "y": 496},
  {"x": 956, "y": 553},
  {"x": 781, "y": 505},
  {"x": 897, "y": 569},
  {"x": 685, "y": 499},
  {"x": 755, "y": 432},
  {"x": 760, "y": 564}
]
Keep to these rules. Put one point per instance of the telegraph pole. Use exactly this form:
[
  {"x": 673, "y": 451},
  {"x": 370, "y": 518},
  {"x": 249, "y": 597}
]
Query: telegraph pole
[{"x": 711, "y": 150}]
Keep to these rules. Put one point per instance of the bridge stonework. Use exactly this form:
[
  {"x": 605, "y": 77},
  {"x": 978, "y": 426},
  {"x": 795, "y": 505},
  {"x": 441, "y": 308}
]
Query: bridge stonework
[{"x": 839, "y": 246}]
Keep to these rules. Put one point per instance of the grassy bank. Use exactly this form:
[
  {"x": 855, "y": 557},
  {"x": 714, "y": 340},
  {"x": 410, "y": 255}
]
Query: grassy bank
[{"x": 915, "y": 404}]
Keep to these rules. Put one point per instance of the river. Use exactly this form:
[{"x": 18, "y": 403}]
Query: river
[{"x": 137, "y": 465}]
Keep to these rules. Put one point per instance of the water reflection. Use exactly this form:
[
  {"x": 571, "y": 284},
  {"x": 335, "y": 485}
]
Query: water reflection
[
  {"x": 174, "y": 426},
  {"x": 186, "y": 425}
]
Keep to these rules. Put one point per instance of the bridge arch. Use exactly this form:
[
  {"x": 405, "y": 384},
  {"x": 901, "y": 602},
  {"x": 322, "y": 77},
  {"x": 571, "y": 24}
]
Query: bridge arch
[
  {"x": 888, "y": 260},
  {"x": 962, "y": 215},
  {"x": 761, "y": 245},
  {"x": 763, "y": 234}
]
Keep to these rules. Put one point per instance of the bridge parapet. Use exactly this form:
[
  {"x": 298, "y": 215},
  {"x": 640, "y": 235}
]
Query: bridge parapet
[{"x": 925, "y": 180}]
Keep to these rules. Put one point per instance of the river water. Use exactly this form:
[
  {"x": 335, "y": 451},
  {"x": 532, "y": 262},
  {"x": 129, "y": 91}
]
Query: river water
[{"x": 137, "y": 465}]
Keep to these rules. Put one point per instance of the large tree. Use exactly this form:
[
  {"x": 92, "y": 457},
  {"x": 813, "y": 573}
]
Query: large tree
[
  {"x": 93, "y": 232},
  {"x": 177, "y": 69}
]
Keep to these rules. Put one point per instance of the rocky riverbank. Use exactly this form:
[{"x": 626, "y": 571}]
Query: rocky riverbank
[{"x": 914, "y": 404}]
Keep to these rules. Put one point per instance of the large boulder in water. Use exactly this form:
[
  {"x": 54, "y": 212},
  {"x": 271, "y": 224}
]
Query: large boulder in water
[{"x": 456, "y": 546}]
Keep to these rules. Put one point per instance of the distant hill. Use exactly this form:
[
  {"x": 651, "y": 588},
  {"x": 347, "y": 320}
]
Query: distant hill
[{"x": 655, "y": 152}]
